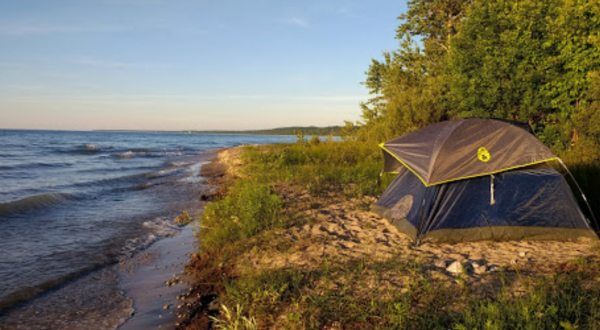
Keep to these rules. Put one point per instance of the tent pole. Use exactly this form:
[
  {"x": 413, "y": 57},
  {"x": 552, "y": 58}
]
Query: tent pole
[
  {"x": 582, "y": 194},
  {"x": 419, "y": 224}
]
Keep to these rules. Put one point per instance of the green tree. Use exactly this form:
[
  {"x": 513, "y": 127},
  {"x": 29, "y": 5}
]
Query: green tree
[
  {"x": 528, "y": 61},
  {"x": 406, "y": 83}
]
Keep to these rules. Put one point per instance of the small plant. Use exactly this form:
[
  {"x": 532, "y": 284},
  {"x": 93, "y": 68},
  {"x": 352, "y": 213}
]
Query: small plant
[
  {"x": 299, "y": 136},
  {"x": 233, "y": 320},
  {"x": 183, "y": 219},
  {"x": 314, "y": 140}
]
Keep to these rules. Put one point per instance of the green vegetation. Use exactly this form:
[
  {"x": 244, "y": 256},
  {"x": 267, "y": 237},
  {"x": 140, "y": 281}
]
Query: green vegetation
[
  {"x": 249, "y": 208},
  {"x": 536, "y": 62},
  {"x": 351, "y": 168},
  {"x": 312, "y": 300},
  {"x": 183, "y": 219},
  {"x": 357, "y": 294}
]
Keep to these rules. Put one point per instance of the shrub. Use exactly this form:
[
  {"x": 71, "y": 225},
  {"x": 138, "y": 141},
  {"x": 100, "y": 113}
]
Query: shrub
[{"x": 249, "y": 208}]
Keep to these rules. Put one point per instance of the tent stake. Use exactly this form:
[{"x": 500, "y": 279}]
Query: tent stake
[{"x": 596, "y": 224}]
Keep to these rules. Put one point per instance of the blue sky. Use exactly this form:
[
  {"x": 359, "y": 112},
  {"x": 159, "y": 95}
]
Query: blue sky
[{"x": 183, "y": 64}]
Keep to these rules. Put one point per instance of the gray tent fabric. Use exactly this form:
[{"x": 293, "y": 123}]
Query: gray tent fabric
[
  {"x": 464, "y": 148},
  {"x": 524, "y": 198}
]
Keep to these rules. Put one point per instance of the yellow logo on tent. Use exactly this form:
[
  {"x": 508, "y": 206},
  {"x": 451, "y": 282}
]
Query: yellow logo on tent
[{"x": 483, "y": 155}]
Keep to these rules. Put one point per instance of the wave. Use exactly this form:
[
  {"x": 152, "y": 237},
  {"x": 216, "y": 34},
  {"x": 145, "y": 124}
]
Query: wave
[
  {"x": 159, "y": 228},
  {"x": 34, "y": 165},
  {"x": 88, "y": 148},
  {"x": 148, "y": 154},
  {"x": 162, "y": 173},
  {"x": 122, "y": 169},
  {"x": 125, "y": 155},
  {"x": 82, "y": 149},
  {"x": 140, "y": 150},
  {"x": 27, "y": 293},
  {"x": 178, "y": 163},
  {"x": 35, "y": 202}
]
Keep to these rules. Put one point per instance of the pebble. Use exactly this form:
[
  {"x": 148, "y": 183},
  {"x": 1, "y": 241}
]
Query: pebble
[
  {"x": 455, "y": 268},
  {"x": 477, "y": 268},
  {"x": 494, "y": 269},
  {"x": 440, "y": 263}
]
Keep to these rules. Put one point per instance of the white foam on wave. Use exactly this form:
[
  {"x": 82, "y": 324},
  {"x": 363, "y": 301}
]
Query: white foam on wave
[
  {"x": 126, "y": 154},
  {"x": 178, "y": 163},
  {"x": 194, "y": 171},
  {"x": 162, "y": 173},
  {"x": 158, "y": 228}
]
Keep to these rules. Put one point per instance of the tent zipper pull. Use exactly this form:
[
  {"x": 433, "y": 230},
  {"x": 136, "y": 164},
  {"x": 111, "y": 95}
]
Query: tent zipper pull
[{"x": 492, "y": 197}]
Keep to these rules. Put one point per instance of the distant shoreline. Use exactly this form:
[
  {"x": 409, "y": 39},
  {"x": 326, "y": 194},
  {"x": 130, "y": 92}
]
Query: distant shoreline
[{"x": 306, "y": 130}]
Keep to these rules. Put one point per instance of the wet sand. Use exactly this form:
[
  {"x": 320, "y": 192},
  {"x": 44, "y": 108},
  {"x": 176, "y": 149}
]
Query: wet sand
[{"x": 145, "y": 281}]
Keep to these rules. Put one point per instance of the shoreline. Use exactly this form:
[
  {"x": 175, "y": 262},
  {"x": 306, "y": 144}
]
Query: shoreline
[
  {"x": 112, "y": 296},
  {"x": 130, "y": 295},
  {"x": 334, "y": 232},
  {"x": 153, "y": 280},
  {"x": 335, "y": 249}
]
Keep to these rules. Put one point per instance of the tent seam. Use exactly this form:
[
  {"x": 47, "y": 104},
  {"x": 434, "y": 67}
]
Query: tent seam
[
  {"x": 381, "y": 145},
  {"x": 494, "y": 172},
  {"x": 437, "y": 153}
]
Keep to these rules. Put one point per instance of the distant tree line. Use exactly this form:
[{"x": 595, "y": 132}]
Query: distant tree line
[
  {"x": 306, "y": 130},
  {"x": 535, "y": 62}
]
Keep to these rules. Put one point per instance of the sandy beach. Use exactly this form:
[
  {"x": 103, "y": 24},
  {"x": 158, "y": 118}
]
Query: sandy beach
[
  {"x": 339, "y": 231},
  {"x": 343, "y": 229}
]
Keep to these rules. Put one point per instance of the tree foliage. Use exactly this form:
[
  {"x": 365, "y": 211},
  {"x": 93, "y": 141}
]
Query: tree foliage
[
  {"x": 532, "y": 61},
  {"x": 525, "y": 61},
  {"x": 407, "y": 82}
]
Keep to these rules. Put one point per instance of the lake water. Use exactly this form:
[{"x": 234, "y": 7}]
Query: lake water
[{"x": 73, "y": 202}]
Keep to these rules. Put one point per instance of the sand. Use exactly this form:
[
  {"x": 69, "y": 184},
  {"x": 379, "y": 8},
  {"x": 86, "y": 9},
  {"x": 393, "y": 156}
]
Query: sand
[
  {"x": 339, "y": 229},
  {"x": 144, "y": 279}
]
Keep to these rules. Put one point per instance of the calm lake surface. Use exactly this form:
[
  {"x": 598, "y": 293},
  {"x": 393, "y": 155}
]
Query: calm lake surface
[{"x": 72, "y": 202}]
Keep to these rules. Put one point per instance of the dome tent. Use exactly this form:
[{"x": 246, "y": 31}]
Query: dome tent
[{"x": 477, "y": 179}]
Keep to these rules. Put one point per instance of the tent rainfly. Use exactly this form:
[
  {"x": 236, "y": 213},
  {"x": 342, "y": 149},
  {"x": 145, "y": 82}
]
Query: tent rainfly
[{"x": 477, "y": 179}]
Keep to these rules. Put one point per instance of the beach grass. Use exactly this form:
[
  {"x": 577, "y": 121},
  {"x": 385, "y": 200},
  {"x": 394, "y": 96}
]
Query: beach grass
[{"x": 401, "y": 292}]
